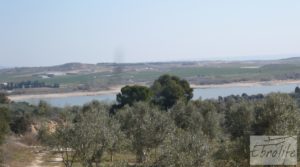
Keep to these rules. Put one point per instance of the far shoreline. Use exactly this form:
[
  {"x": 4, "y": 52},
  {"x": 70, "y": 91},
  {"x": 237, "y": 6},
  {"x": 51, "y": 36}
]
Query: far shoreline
[{"x": 117, "y": 89}]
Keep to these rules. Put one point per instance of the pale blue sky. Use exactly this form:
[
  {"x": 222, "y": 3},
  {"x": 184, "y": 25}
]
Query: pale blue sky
[{"x": 48, "y": 32}]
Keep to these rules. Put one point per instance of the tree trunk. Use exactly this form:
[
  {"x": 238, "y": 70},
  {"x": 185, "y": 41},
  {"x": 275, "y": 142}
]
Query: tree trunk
[
  {"x": 140, "y": 155},
  {"x": 97, "y": 164},
  {"x": 155, "y": 150},
  {"x": 111, "y": 156},
  {"x": 89, "y": 164}
]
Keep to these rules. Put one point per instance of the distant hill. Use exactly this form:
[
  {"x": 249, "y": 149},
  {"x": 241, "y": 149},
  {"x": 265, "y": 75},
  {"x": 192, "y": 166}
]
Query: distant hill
[
  {"x": 71, "y": 66},
  {"x": 68, "y": 67},
  {"x": 291, "y": 60},
  {"x": 102, "y": 67},
  {"x": 3, "y": 67}
]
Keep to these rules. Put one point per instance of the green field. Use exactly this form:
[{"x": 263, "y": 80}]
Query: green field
[{"x": 205, "y": 74}]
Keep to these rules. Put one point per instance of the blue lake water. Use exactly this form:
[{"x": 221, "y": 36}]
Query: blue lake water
[{"x": 203, "y": 93}]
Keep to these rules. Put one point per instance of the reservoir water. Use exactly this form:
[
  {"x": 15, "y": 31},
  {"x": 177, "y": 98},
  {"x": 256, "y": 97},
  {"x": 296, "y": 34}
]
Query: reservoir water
[{"x": 203, "y": 93}]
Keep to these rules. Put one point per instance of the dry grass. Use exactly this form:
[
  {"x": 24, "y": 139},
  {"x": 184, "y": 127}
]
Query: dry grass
[
  {"x": 16, "y": 154},
  {"x": 52, "y": 159},
  {"x": 29, "y": 139}
]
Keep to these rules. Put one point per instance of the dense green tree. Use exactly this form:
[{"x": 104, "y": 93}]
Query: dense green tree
[
  {"x": 131, "y": 94},
  {"x": 297, "y": 89},
  {"x": 22, "y": 115},
  {"x": 169, "y": 89},
  {"x": 20, "y": 123}
]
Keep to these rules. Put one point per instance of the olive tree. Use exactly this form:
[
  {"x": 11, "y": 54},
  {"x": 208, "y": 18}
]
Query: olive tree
[
  {"x": 147, "y": 127},
  {"x": 88, "y": 136},
  {"x": 185, "y": 149},
  {"x": 64, "y": 142},
  {"x": 211, "y": 118},
  {"x": 239, "y": 120},
  {"x": 95, "y": 133},
  {"x": 186, "y": 116},
  {"x": 277, "y": 114},
  {"x": 117, "y": 140}
]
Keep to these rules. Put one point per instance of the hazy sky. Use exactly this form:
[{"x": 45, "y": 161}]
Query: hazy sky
[{"x": 48, "y": 32}]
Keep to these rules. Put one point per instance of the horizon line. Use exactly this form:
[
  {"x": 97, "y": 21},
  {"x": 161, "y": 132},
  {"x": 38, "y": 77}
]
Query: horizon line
[{"x": 152, "y": 62}]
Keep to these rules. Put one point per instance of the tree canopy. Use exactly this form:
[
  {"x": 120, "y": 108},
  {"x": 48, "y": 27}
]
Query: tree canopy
[
  {"x": 131, "y": 94},
  {"x": 146, "y": 125},
  {"x": 169, "y": 89}
]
